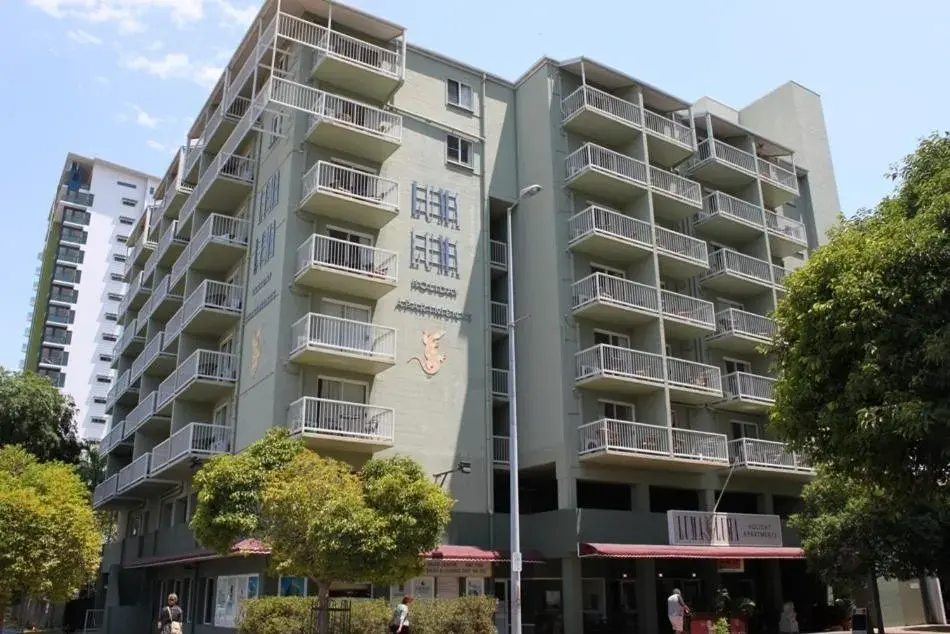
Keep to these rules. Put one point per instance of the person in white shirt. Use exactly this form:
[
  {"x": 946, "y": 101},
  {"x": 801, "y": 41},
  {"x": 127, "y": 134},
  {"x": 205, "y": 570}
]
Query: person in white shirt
[
  {"x": 675, "y": 609},
  {"x": 400, "y": 621}
]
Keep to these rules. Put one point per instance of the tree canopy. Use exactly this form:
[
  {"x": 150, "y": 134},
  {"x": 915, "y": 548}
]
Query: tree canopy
[
  {"x": 863, "y": 362},
  {"x": 49, "y": 539},
  {"x": 36, "y": 416}
]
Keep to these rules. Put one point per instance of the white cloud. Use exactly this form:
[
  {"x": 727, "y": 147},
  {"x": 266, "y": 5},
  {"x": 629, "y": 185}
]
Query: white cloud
[
  {"x": 143, "y": 118},
  {"x": 175, "y": 66},
  {"x": 156, "y": 45},
  {"x": 125, "y": 14},
  {"x": 102, "y": 79},
  {"x": 238, "y": 15},
  {"x": 155, "y": 145},
  {"x": 83, "y": 37}
]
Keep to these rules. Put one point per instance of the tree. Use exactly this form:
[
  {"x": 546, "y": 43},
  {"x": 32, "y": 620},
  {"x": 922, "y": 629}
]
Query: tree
[
  {"x": 92, "y": 465},
  {"x": 49, "y": 539},
  {"x": 36, "y": 416},
  {"x": 322, "y": 519}
]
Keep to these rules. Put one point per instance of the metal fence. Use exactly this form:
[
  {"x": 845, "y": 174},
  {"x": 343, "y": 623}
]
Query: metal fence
[{"x": 336, "y": 615}]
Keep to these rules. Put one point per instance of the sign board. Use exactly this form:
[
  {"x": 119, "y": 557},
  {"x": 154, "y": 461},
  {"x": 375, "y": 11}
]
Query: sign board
[
  {"x": 443, "y": 568},
  {"x": 859, "y": 621},
  {"x": 730, "y": 565},
  {"x": 700, "y": 528}
]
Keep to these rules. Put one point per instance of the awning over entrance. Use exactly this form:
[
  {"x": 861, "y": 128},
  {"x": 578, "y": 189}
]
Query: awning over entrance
[
  {"x": 665, "y": 551},
  {"x": 474, "y": 553},
  {"x": 245, "y": 547}
]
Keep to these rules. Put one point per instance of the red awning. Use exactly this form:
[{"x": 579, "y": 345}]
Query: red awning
[
  {"x": 665, "y": 551},
  {"x": 474, "y": 553}
]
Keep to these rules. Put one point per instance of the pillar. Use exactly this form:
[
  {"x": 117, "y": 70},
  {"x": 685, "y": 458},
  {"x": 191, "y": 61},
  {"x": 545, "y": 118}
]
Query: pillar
[
  {"x": 646, "y": 596},
  {"x": 773, "y": 594},
  {"x": 572, "y": 598}
]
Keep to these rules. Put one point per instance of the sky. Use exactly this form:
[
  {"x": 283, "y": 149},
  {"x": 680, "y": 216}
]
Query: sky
[{"x": 124, "y": 79}]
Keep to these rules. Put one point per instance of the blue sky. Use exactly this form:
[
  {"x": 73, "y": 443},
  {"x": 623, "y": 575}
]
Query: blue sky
[{"x": 123, "y": 79}]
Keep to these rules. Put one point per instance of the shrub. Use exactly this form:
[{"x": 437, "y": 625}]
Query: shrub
[{"x": 291, "y": 615}]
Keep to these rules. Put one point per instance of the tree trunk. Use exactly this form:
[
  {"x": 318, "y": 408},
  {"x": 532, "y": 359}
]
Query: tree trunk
[
  {"x": 876, "y": 604},
  {"x": 323, "y": 607},
  {"x": 3, "y": 613}
]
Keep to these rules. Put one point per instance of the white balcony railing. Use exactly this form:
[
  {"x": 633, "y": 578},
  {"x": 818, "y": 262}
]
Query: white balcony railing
[
  {"x": 499, "y": 314},
  {"x": 779, "y": 175},
  {"x": 749, "y": 387},
  {"x": 353, "y": 114},
  {"x": 201, "y": 365},
  {"x": 700, "y": 445},
  {"x": 727, "y": 261},
  {"x": 785, "y": 226},
  {"x": 234, "y": 167},
  {"x": 359, "y": 421},
  {"x": 105, "y": 490},
  {"x": 681, "y": 245},
  {"x": 737, "y": 209},
  {"x": 617, "y": 291},
  {"x": 140, "y": 413},
  {"x": 668, "y": 129},
  {"x": 499, "y": 382},
  {"x": 213, "y": 295},
  {"x": 603, "y": 221},
  {"x": 348, "y": 257},
  {"x": 128, "y": 334},
  {"x": 651, "y": 440},
  {"x": 687, "y": 308},
  {"x": 113, "y": 437},
  {"x": 729, "y": 154},
  {"x": 223, "y": 229},
  {"x": 500, "y": 449},
  {"x": 356, "y": 51},
  {"x": 693, "y": 375},
  {"x": 343, "y": 335},
  {"x": 134, "y": 472},
  {"x": 604, "y": 103},
  {"x": 767, "y": 454},
  {"x": 616, "y": 362},
  {"x": 498, "y": 255},
  {"x": 676, "y": 186},
  {"x": 194, "y": 439},
  {"x": 779, "y": 274},
  {"x": 351, "y": 183},
  {"x": 180, "y": 266},
  {"x": 595, "y": 157},
  {"x": 733, "y": 321}
]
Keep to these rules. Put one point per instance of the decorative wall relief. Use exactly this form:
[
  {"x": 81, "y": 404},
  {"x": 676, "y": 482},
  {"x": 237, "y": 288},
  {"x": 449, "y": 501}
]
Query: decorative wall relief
[
  {"x": 432, "y": 359},
  {"x": 435, "y": 205},
  {"x": 255, "y": 352}
]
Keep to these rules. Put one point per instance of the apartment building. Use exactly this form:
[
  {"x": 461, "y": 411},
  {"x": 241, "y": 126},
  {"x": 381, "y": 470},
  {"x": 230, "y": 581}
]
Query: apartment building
[
  {"x": 328, "y": 252},
  {"x": 79, "y": 286}
]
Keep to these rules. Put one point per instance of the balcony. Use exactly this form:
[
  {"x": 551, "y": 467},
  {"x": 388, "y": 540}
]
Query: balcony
[
  {"x": 737, "y": 274},
  {"x": 169, "y": 248},
  {"x": 145, "y": 416},
  {"x": 752, "y": 454},
  {"x": 499, "y": 319},
  {"x": 135, "y": 296},
  {"x": 115, "y": 440},
  {"x": 224, "y": 184},
  {"x": 212, "y": 308},
  {"x": 341, "y": 425},
  {"x": 741, "y": 332},
  {"x": 349, "y": 195},
  {"x": 693, "y": 383},
  {"x": 121, "y": 392},
  {"x": 598, "y": 115},
  {"x": 498, "y": 257},
  {"x": 176, "y": 456},
  {"x": 676, "y": 198},
  {"x": 786, "y": 235},
  {"x": 606, "y": 368},
  {"x": 141, "y": 251},
  {"x": 353, "y": 128},
  {"x": 219, "y": 244},
  {"x": 130, "y": 343},
  {"x": 779, "y": 181},
  {"x": 205, "y": 376},
  {"x": 342, "y": 344},
  {"x": 105, "y": 491},
  {"x": 162, "y": 304},
  {"x": 600, "y": 172},
  {"x": 153, "y": 361},
  {"x": 686, "y": 317},
  {"x": 669, "y": 142},
  {"x": 680, "y": 256},
  {"x": 216, "y": 131},
  {"x": 356, "y": 65},
  {"x": 604, "y": 233},
  {"x": 499, "y": 385},
  {"x": 76, "y": 197},
  {"x": 722, "y": 165},
  {"x": 639, "y": 445},
  {"x": 778, "y": 275},
  {"x": 750, "y": 393},
  {"x": 615, "y": 300},
  {"x": 340, "y": 266},
  {"x": 729, "y": 219},
  {"x": 135, "y": 479},
  {"x": 500, "y": 451}
]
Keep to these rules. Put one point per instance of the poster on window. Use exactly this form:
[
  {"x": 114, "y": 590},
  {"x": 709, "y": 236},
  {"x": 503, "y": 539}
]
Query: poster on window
[
  {"x": 446, "y": 587},
  {"x": 231, "y": 591},
  {"x": 474, "y": 586},
  {"x": 293, "y": 587},
  {"x": 422, "y": 588}
]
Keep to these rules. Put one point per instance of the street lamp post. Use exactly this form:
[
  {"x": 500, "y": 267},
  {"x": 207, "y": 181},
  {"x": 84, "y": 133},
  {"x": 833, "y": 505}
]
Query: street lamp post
[{"x": 514, "y": 593}]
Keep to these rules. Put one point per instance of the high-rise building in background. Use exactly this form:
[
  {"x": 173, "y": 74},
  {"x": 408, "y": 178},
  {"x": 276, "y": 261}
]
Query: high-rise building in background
[
  {"x": 327, "y": 253},
  {"x": 79, "y": 286}
]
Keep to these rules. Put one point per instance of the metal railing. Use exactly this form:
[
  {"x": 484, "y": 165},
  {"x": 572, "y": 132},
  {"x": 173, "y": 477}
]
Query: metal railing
[
  {"x": 77, "y": 197},
  {"x": 617, "y": 291},
  {"x": 128, "y": 334},
  {"x": 700, "y": 445},
  {"x": 346, "y": 181},
  {"x": 498, "y": 255},
  {"x": 604, "y": 103},
  {"x": 93, "y": 621},
  {"x": 681, "y": 245},
  {"x": 592, "y": 156},
  {"x": 212, "y": 295},
  {"x": 600, "y": 220},
  {"x": 166, "y": 241},
  {"x": 718, "y": 150},
  {"x": 141, "y": 413},
  {"x": 152, "y": 350},
  {"x": 134, "y": 472},
  {"x": 360, "y": 421},
  {"x": 329, "y": 107},
  {"x": 781, "y": 176},
  {"x": 235, "y": 167},
  {"x": 500, "y": 449},
  {"x": 356, "y": 51},
  {"x": 676, "y": 186},
  {"x": 222, "y": 229},
  {"x": 687, "y": 308},
  {"x": 499, "y": 315},
  {"x": 779, "y": 274},
  {"x": 105, "y": 490},
  {"x": 118, "y": 388},
  {"x": 768, "y": 454},
  {"x": 207, "y": 365},
  {"x": 613, "y": 361},
  {"x": 609, "y": 434},
  {"x": 343, "y": 335},
  {"x": 733, "y": 321},
  {"x": 350, "y": 257},
  {"x": 499, "y": 382},
  {"x": 140, "y": 247},
  {"x": 785, "y": 226},
  {"x": 722, "y": 204},
  {"x": 194, "y": 439},
  {"x": 694, "y": 376},
  {"x": 749, "y": 387},
  {"x": 671, "y": 130},
  {"x": 180, "y": 267},
  {"x": 113, "y": 437},
  {"x": 735, "y": 263}
]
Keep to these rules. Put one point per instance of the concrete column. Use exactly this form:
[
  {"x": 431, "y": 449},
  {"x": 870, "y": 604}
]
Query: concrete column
[
  {"x": 646, "y": 596},
  {"x": 572, "y": 594},
  {"x": 773, "y": 568},
  {"x": 708, "y": 500},
  {"x": 641, "y": 497}
]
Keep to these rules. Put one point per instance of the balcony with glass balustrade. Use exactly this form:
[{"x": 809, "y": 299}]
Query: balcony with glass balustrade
[
  {"x": 341, "y": 266},
  {"x": 680, "y": 256},
  {"x": 614, "y": 300},
  {"x": 329, "y": 424},
  {"x": 692, "y": 382},
  {"x": 737, "y": 274},
  {"x": 598, "y": 171},
  {"x": 748, "y": 393},
  {"x": 352, "y": 127},
  {"x": 632, "y": 444},
  {"x": 342, "y": 344},
  {"x": 686, "y": 317},
  {"x": 753, "y": 455},
  {"x": 350, "y": 195},
  {"x": 618, "y": 370},
  {"x": 598, "y": 115},
  {"x": 741, "y": 332},
  {"x": 601, "y": 232}
]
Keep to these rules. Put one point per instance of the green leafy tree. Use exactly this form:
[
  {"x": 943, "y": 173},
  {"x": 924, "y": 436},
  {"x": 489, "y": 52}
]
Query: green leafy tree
[
  {"x": 92, "y": 466},
  {"x": 320, "y": 517},
  {"x": 34, "y": 415},
  {"x": 49, "y": 539}
]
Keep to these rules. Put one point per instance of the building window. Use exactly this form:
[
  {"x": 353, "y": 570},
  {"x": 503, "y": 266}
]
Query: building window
[
  {"x": 98, "y": 420},
  {"x": 125, "y": 184},
  {"x": 205, "y": 613},
  {"x": 99, "y": 400},
  {"x": 129, "y": 202},
  {"x": 230, "y": 595},
  {"x": 103, "y": 379},
  {"x": 458, "y": 150},
  {"x": 76, "y": 216},
  {"x": 125, "y": 220},
  {"x": 460, "y": 95},
  {"x": 117, "y": 277},
  {"x": 107, "y": 358},
  {"x": 116, "y": 297},
  {"x": 112, "y": 317},
  {"x": 122, "y": 239},
  {"x": 118, "y": 257},
  {"x": 108, "y": 336}
]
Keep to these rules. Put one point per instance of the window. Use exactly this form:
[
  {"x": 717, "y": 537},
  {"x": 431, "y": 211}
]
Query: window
[
  {"x": 66, "y": 274},
  {"x": 122, "y": 239},
  {"x": 204, "y": 615},
  {"x": 99, "y": 400},
  {"x": 117, "y": 277},
  {"x": 112, "y": 317},
  {"x": 125, "y": 184},
  {"x": 108, "y": 336},
  {"x": 129, "y": 202},
  {"x": 105, "y": 358},
  {"x": 458, "y": 150},
  {"x": 125, "y": 220},
  {"x": 230, "y": 593},
  {"x": 744, "y": 429},
  {"x": 98, "y": 420},
  {"x": 611, "y": 339},
  {"x": 736, "y": 365},
  {"x": 118, "y": 257},
  {"x": 76, "y": 216},
  {"x": 116, "y": 297},
  {"x": 276, "y": 129},
  {"x": 73, "y": 235},
  {"x": 617, "y": 410},
  {"x": 460, "y": 95},
  {"x": 151, "y": 191},
  {"x": 101, "y": 378},
  {"x": 292, "y": 587}
]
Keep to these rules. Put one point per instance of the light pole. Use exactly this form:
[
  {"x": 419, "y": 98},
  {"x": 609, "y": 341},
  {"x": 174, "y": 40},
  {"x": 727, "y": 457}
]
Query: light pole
[{"x": 514, "y": 593}]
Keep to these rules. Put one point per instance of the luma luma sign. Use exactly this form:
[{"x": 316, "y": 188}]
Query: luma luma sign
[{"x": 699, "y": 528}]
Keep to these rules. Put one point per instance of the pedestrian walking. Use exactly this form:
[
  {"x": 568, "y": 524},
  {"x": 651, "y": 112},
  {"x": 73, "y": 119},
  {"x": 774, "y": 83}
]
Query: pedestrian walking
[
  {"x": 170, "y": 618},
  {"x": 675, "y": 609},
  {"x": 400, "y": 623}
]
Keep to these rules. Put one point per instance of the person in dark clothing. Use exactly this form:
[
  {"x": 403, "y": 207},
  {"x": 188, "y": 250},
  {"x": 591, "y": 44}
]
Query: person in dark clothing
[{"x": 170, "y": 618}]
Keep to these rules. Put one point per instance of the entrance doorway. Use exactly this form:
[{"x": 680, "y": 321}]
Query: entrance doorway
[{"x": 500, "y": 592}]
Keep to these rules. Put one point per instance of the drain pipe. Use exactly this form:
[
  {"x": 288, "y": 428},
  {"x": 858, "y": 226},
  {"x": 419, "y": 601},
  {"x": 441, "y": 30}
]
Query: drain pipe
[{"x": 486, "y": 247}]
